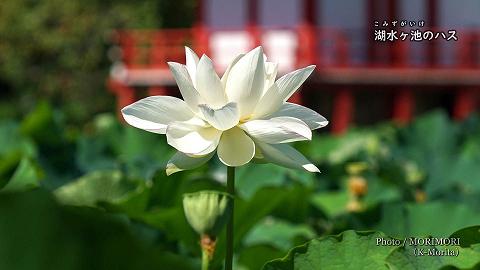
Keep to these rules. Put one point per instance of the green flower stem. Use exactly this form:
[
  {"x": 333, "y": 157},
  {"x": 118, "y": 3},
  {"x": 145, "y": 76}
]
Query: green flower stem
[
  {"x": 205, "y": 259},
  {"x": 231, "y": 191}
]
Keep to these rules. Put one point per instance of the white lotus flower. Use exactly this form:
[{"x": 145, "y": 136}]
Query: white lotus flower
[{"x": 243, "y": 115}]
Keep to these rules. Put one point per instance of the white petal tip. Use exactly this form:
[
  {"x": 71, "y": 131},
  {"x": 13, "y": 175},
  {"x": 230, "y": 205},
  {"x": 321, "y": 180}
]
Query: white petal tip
[
  {"x": 124, "y": 112},
  {"x": 172, "y": 63},
  {"x": 188, "y": 50},
  {"x": 174, "y": 66},
  {"x": 323, "y": 124},
  {"x": 311, "y": 168},
  {"x": 309, "y": 136},
  {"x": 258, "y": 50},
  {"x": 171, "y": 169},
  {"x": 320, "y": 125}
]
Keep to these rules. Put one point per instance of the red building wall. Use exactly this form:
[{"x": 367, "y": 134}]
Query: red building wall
[{"x": 337, "y": 36}]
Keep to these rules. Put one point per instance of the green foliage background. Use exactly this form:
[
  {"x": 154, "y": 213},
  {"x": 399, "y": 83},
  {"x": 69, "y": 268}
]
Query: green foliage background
[
  {"x": 100, "y": 192},
  {"x": 58, "y": 50}
]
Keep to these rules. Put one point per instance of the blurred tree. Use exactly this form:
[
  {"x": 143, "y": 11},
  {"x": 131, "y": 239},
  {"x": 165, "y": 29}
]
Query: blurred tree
[
  {"x": 177, "y": 14},
  {"x": 57, "y": 50}
]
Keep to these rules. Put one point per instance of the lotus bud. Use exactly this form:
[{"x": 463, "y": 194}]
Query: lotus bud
[
  {"x": 358, "y": 187},
  {"x": 207, "y": 211}
]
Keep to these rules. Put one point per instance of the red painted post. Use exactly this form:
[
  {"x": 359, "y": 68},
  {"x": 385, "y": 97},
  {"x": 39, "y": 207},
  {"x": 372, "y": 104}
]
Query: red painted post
[
  {"x": 307, "y": 38},
  {"x": 200, "y": 31},
  {"x": 157, "y": 50},
  {"x": 403, "y": 106},
  {"x": 432, "y": 21},
  {"x": 476, "y": 49},
  {"x": 255, "y": 35},
  {"x": 400, "y": 54},
  {"x": 370, "y": 18},
  {"x": 465, "y": 98},
  {"x": 465, "y": 52},
  {"x": 343, "y": 104},
  {"x": 343, "y": 107},
  {"x": 403, "y": 101},
  {"x": 391, "y": 16},
  {"x": 252, "y": 22},
  {"x": 157, "y": 91},
  {"x": 465, "y": 102},
  {"x": 306, "y": 50},
  {"x": 307, "y": 42},
  {"x": 200, "y": 12},
  {"x": 127, "y": 43},
  {"x": 342, "y": 55},
  {"x": 306, "y": 35},
  {"x": 201, "y": 39},
  {"x": 304, "y": 55},
  {"x": 125, "y": 95}
]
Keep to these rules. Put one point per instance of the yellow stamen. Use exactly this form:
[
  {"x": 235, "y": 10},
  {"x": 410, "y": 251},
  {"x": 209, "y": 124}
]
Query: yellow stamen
[{"x": 245, "y": 118}]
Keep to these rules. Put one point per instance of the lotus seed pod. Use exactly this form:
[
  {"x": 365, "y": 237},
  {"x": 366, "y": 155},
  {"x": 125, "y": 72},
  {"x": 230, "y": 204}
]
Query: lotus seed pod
[
  {"x": 207, "y": 211},
  {"x": 420, "y": 196},
  {"x": 357, "y": 186}
]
